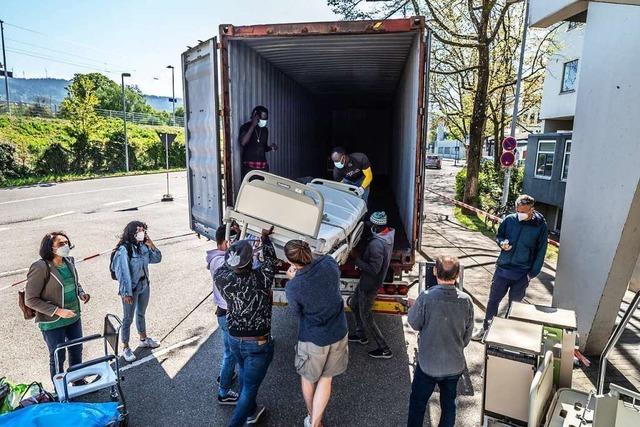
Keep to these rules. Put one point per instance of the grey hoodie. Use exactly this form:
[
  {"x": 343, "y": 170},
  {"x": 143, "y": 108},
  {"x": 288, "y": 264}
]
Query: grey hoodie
[
  {"x": 375, "y": 260},
  {"x": 215, "y": 259}
]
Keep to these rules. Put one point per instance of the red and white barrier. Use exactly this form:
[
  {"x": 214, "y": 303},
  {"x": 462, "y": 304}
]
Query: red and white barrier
[{"x": 476, "y": 210}]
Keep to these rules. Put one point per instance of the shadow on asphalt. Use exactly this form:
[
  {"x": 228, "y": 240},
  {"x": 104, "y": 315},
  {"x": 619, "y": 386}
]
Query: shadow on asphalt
[{"x": 371, "y": 392}]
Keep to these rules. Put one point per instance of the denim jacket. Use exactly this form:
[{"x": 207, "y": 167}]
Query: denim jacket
[{"x": 133, "y": 273}]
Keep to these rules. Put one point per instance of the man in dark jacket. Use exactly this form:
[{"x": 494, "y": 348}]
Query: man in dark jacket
[
  {"x": 373, "y": 266},
  {"x": 247, "y": 292},
  {"x": 522, "y": 238}
]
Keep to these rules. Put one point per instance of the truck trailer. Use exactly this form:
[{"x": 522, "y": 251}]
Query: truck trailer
[{"x": 361, "y": 85}]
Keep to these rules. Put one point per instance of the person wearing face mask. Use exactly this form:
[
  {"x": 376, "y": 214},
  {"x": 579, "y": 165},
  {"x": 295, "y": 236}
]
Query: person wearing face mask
[
  {"x": 54, "y": 293},
  {"x": 373, "y": 266},
  {"x": 133, "y": 254},
  {"x": 352, "y": 169},
  {"x": 254, "y": 140},
  {"x": 522, "y": 238}
]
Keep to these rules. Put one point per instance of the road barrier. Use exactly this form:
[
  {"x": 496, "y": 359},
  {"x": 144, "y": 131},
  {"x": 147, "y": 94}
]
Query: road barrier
[
  {"x": 480, "y": 211},
  {"x": 87, "y": 258}
]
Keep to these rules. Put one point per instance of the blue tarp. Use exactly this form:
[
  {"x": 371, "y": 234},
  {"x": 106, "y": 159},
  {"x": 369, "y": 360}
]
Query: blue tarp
[{"x": 62, "y": 414}]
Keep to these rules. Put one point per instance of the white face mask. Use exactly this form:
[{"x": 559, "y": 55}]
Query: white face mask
[
  {"x": 339, "y": 165},
  {"x": 522, "y": 216},
  {"x": 63, "y": 251},
  {"x": 140, "y": 236},
  {"x": 262, "y": 123}
]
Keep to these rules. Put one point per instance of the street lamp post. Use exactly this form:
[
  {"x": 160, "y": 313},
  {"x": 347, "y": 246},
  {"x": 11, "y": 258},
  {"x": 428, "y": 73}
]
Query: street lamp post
[
  {"x": 124, "y": 117},
  {"x": 173, "y": 92}
]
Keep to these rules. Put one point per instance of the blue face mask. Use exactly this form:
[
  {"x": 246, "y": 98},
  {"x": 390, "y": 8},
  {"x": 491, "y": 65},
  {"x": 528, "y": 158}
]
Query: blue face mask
[{"x": 339, "y": 165}]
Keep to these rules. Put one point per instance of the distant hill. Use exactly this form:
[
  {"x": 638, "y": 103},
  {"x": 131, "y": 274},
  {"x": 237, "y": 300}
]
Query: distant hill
[{"x": 54, "y": 91}]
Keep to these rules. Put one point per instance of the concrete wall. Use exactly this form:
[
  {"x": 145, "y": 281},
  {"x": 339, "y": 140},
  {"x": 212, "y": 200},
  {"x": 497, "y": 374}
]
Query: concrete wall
[
  {"x": 556, "y": 104},
  {"x": 550, "y": 191},
  {"x": 543, "y": 13},
  {"x": 601, "y": 225}
]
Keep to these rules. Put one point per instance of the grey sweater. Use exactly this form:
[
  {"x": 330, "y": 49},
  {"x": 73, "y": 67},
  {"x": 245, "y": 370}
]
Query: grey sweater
[{"x": 443, "y": 316}]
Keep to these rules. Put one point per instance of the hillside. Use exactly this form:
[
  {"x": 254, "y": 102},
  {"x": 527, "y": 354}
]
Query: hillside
[{"x": 54, "y": 91}]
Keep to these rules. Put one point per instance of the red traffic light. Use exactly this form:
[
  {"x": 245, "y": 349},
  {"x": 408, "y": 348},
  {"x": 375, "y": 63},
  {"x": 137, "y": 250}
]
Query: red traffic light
[
  {"x": 509, "y": 143},
  {"x": 507, "y": 159}
]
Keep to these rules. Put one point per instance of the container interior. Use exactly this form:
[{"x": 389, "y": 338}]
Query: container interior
[{"x": 359, "y": 92}]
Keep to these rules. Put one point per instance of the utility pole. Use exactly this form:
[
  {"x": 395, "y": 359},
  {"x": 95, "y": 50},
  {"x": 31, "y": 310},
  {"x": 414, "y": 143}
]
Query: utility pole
[
  {"x": 173, "y": 93},
  {"x": 6, "y": 70},
  {"x": 124, "y": 116},
  {"x": 514, "y": 117}
]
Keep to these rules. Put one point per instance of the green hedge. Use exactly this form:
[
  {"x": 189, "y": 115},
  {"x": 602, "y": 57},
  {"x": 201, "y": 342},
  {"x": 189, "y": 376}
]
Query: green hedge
[
  {"x": 490, "y": 184},
  {"x": 35, "y": 146}
]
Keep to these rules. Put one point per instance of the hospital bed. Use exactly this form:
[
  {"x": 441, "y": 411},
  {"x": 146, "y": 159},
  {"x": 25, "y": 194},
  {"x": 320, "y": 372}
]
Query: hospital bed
[{"x": 327, "y": 215}]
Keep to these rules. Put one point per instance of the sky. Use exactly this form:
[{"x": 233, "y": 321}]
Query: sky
[{"x": 58, "y": 38}]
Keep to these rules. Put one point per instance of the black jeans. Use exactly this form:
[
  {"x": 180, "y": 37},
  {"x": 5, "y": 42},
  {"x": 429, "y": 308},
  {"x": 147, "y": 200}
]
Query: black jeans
[
  {"x": 59, "y": 336},
  {"x": 499, "y": 288},
  {"x": 361, "y": 305},
  {"x": 421, "y": 391}
]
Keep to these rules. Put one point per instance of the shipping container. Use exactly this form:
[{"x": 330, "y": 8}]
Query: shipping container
[{"x": 357, "y": 84}]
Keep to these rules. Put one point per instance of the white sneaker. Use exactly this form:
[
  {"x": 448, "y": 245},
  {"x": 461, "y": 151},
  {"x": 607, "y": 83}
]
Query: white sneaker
[
  {"x": 478, "y": 334},
  {"x": 149, "y": 343},
  {"x": 307, "y": 421},
  {"x": 128, "y": 355}
]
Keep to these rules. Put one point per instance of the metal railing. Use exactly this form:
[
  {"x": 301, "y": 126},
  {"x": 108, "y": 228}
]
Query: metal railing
[{"x": 52, "y": 111}]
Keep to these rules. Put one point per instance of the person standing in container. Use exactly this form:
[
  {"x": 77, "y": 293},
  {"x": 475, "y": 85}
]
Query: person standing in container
[
  {"x": 353, "y": 169},
  {"x": 133, "y": 254},
  {"x": 54, "y": 293},
  {"x": 254, "y": 140}
]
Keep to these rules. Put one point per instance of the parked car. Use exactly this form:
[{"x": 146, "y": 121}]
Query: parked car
[{"x": 433, "y": 162}]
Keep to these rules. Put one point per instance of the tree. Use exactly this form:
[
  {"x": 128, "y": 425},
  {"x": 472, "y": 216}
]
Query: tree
[
  {"x": 109, "y": 95},
  {"x": 474, "y": 54}
]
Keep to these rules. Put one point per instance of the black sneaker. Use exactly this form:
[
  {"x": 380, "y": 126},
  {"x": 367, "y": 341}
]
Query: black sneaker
[
  {"x": 381, "y": 353},
  {"x": 231, "y": 398},
  {"x": 253, "y": 419},
  {"x": 233, "y": 379},
  {"x": 358, "y": 339}
]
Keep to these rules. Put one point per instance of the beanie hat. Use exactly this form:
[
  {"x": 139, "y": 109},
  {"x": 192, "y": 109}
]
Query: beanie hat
[
  {"x": 239, "y": 254},
  {"x": 378, "y": 218}
]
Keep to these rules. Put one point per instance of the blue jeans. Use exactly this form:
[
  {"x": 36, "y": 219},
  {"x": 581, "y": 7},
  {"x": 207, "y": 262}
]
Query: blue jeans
[
  {"x": 139, "y": 307},
  {"x": 253, "y": 360},
  {"x": 228, "y": 363},
  {"x": 59, "y": 336},
  {"x": 499, "y": 287},
  {"x": 421, "y": 391}
]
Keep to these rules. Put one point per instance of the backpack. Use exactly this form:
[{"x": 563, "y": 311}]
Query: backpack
[
  {"x": 27, "y": 312},
  {"x": 113, "y": 254}
]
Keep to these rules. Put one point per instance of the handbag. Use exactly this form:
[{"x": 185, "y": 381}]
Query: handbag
[{"x": 40, "y": 396}]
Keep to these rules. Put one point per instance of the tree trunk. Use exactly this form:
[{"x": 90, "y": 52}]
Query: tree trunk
[{"x": 478, "y": 121}]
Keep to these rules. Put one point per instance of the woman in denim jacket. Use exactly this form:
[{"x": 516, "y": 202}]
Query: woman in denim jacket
[{"x": 133, "y": 254}]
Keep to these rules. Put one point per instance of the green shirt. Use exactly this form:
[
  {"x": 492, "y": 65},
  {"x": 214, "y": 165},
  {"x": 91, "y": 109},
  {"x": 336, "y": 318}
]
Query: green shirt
[{"x": 70, "y": 299}]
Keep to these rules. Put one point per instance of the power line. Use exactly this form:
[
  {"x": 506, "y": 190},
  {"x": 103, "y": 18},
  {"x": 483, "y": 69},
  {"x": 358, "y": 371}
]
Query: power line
[
  {"x": 59, "y": 51},
  {"x": 66, "y": 40},
  {"x": 48, "y": 58}
]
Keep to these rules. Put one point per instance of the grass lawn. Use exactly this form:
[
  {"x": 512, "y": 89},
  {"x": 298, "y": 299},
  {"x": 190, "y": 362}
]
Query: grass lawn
[
  {"x": 475, "y": 222},
  {"x": 32, "y": 180}
]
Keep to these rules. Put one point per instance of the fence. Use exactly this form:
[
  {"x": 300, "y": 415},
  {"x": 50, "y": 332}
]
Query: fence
[{"x": 51, "y": 110}]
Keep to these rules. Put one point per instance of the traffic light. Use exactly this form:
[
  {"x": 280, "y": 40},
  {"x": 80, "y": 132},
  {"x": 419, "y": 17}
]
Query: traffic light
[{"x": 508, "y": 157}]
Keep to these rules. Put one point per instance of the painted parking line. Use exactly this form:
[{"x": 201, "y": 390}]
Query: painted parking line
[
  {"x": 11, "y": 273},
  {"x": 4, "y": 228},
  {"x": 76, "y": 193},
  {"x": 157, "y": 353},
  {"x": 119, "y": 202},
  {"x": 58, "y": 215}
]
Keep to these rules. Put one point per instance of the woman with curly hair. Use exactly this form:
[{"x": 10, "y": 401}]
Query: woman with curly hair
[{"x": 132, "y": 256}]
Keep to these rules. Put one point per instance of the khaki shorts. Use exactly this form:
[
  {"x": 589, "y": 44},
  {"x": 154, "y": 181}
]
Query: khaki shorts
[{"x": 313, "y": 362}]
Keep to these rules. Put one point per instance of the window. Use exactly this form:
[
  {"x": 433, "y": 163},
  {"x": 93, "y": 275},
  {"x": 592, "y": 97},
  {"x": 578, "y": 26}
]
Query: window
[
  {"x": 447, "y": 150},
  {"x": 440, "y": 150},
  {"x": 569, "y": 76},
  {"x": 565, "y": 161},
  {"x": 544, "y": 161}
]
